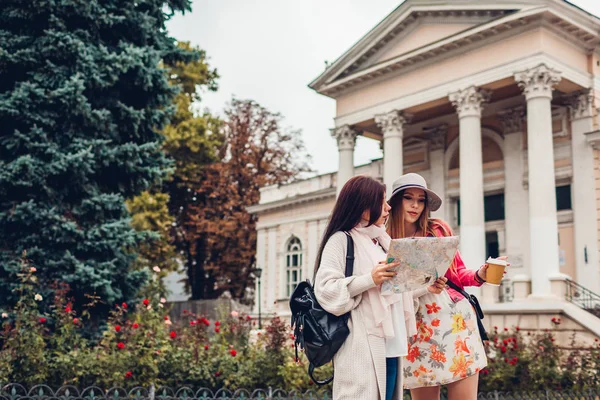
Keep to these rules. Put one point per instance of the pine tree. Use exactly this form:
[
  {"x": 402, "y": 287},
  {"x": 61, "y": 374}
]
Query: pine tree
[{"x": 82, "y": 98}]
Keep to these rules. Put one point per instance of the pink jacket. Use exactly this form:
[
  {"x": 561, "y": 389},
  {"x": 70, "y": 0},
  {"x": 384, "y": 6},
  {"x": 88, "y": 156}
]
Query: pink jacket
[{"x": 458, "y": 273}]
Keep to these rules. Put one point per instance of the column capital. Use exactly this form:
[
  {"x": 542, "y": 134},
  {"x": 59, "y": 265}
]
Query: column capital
[
  {"x": 392, "y": 123},
  {"x": 593, "y": 139},
  {"x": 469, "y": 102},
  {"x": 538, "y": 81},
  {"x": 581, "y": 104},
  {"x": 437, "y": 136},
  {"x": 345, "y": 136},
  {"x": 512, "y": 119}
]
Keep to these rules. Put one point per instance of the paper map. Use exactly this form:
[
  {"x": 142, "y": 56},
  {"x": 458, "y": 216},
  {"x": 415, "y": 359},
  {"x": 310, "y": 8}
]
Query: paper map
[{"x": 422, "y": 261}]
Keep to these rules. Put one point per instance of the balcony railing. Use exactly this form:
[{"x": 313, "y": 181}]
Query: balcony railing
[{"x": 583, "y": 297}]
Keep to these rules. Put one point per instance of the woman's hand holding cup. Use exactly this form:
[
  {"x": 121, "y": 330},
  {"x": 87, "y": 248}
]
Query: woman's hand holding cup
[
  {"x": 482, "y": 272},
  {"x": 382, "y": 273}
]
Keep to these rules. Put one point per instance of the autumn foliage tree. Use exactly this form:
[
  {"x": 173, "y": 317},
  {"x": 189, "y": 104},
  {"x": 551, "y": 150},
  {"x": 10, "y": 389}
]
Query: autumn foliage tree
[{"x": 216, "y": 232}]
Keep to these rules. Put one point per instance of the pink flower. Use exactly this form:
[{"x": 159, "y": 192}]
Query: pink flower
[
  {"x": 235, "y": 314},
  {"x": 75, "y": 321}
]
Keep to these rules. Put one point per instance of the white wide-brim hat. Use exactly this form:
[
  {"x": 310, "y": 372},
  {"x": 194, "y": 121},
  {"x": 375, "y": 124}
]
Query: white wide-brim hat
[{"x": 416, "y": 181}]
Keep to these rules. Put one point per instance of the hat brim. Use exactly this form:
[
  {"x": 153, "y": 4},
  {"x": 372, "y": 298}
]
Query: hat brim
[{"x": 433, "y": 200}]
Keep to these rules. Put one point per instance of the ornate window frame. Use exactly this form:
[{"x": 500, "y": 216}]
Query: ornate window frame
[{"x": 293, "y": 259}]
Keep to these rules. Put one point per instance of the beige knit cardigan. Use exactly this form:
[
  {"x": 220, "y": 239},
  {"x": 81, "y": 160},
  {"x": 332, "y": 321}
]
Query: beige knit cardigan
[{"x": 359, "y": 365}]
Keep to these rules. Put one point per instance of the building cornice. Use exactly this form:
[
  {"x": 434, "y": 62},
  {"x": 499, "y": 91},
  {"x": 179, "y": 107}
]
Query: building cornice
[
  {"x": 475, "y": 37},
  {"x": 293, "y": 201},
  {"x": 481, "y": 78}
]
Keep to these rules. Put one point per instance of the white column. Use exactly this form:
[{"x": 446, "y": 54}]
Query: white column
[
  {"x": 392, "y": 125},
  {"x": 584, "y": 200},
  {"x": 269, "y": 282},
  {"x": 437, "y": 146},
  {"x": 261, "y": 262},
  {"x": 537, "y": 84},
  {"x": 468, "y": 103},
  {"x": 346, "y": 140},
  {"x": 516, "y": 199},
  {"x": 313, "y": 247}
]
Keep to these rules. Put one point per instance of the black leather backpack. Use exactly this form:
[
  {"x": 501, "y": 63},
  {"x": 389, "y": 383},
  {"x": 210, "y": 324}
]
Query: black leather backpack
[{"x": 318, "y": 332}]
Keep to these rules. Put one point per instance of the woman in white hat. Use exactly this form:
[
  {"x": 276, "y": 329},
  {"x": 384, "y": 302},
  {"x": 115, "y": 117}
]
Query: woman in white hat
[{"x": 447, "y": 349}]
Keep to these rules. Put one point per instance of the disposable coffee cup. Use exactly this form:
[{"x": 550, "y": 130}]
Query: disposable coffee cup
[{"x": 495, "y": 271}]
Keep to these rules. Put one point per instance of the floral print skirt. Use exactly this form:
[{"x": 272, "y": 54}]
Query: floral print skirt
[{"x": 447, "y": 346}]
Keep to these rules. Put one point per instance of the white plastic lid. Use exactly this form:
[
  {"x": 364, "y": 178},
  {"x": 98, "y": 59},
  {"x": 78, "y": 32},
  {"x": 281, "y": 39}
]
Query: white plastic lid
[{"x": 496, "y": 261}]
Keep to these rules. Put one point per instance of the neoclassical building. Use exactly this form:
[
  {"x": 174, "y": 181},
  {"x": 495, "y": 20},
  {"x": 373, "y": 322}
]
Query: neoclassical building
[{"x": 495, "y": 104}]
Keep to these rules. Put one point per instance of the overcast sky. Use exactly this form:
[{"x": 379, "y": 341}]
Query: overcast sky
[{"x": 270, "y": 50}]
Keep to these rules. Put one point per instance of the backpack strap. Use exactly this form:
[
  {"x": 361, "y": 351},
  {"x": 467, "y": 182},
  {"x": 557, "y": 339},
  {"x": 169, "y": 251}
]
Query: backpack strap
[
  {"x": 311, "y": 370},
  {"x": 349, "y": 255}
]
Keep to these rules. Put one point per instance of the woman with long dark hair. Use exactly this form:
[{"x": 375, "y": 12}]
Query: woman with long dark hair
[{"x": 366, "y": 365}]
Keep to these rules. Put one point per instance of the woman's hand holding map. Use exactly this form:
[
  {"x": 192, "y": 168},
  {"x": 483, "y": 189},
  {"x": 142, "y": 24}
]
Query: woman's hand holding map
[{"x": 382, "y": 272}]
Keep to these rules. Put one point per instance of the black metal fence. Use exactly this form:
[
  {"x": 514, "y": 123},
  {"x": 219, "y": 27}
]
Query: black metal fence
[{"x": 43, "y": 392}]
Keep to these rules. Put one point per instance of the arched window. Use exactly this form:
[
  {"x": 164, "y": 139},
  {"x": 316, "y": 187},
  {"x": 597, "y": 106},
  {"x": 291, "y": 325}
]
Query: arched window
[{"x": 293, "y": 264}]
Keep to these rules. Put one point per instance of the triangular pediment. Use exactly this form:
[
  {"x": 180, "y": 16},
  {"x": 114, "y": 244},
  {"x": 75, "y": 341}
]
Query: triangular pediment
[
  {"x": 419, "y": 35},
  {"x": 416, "y": 24},
  {"x": 421, "y": 30},
  {"x": 413, "y": 25}
]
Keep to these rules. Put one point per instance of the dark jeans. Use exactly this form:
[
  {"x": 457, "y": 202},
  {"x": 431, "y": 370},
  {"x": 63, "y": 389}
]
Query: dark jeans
[{"x": 391, "y": 374}]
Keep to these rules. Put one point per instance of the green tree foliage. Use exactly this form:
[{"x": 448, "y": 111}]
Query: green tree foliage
[
  {"x": 191, "y": 140},
  {"x": 82, "y": 99}
]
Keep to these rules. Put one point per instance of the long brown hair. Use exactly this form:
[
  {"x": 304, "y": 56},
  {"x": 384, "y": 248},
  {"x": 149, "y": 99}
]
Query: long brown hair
[
  {"x": 359, "y": 194},
  {"x": 428, "y": 226}
]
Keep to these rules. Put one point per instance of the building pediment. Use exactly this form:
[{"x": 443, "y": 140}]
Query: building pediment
[{"x": 420, "y": 30}]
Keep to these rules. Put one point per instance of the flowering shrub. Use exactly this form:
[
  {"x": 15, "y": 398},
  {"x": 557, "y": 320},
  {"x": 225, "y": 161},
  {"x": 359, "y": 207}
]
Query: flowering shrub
[
  {"x": 533, "y": 361},
  {"x": 141, "y": 345}
]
